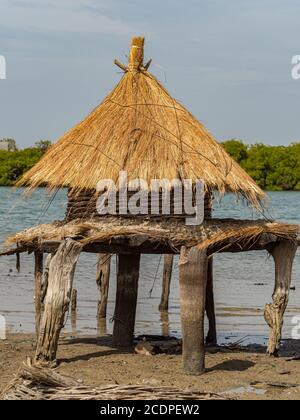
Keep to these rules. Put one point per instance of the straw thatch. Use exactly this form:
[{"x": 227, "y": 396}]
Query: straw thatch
[
  {"x": 140, "y": 128},
  {"x": 216, "y": 234}
]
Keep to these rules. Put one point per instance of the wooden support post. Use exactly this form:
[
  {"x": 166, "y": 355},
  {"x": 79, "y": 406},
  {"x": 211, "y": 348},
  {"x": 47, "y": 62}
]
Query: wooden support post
[
  {"x": 38, "y": 275},
  {"x": 57, "y": 300},
  {"x": 102, "y": 280},
  {"x": 46, "y": 276},
  {"x": 74, "y": 301},
  {"x": 165, "y": 324},
  {"x": 193, "y": 279},
  {"x": 101, "y": 327},
  {"x": 210, "y": 305},
  {"x": 167, "y": 274},
  {"x": 283, "y": 254},
  {"x": 126, "y": 299},
  {"x": 74, "y": 310}
]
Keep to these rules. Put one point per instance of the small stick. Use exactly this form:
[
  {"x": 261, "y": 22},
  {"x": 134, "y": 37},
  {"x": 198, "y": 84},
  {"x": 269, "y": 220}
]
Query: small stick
[
  {"x": 147, "y": 65},
  {"x": 122, "y": 67}
]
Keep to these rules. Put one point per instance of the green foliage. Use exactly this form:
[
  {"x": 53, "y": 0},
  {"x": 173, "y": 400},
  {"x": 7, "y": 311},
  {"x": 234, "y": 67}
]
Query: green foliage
[
  {"x": 236, "y": 149},
  {"x": 14, "y": 164},
  {"x": 43, "y": 145},
  {"x": 275, "y": 168}
]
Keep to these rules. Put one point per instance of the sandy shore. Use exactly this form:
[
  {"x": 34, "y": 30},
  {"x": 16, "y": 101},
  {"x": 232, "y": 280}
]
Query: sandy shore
[{"x": 234, "y": 372}]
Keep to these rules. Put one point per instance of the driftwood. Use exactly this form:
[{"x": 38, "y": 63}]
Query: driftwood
[
  {"x": 283, "y": 254},
  {"x": 60, "y": 280},
  {"x": 35, "y": 383}
]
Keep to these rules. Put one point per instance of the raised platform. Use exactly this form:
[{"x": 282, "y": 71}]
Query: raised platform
[{"x": 154, "y": 236}]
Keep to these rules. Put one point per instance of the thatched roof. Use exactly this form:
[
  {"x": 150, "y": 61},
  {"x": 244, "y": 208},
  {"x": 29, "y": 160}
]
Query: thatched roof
[{"x": 140, "y": 128}]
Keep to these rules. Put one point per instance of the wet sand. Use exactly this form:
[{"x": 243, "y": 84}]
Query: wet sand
[{"x": 233, "y": 372}]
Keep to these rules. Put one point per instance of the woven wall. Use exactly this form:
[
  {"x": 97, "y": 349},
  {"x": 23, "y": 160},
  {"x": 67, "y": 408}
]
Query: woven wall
[{"x": 82, "y": 205}]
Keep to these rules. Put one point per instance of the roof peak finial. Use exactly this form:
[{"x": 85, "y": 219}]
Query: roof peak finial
[{"x": 136, "y": 56}]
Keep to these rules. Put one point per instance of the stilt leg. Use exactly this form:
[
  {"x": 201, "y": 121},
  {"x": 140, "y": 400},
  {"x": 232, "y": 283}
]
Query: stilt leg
[
  {"x": 168, "y": 267},
  {"x": 126, "y": 299},
  {"x": 38, "y": 274},
  {"x": 283, "y": 254},
  {"x": 210, "y": 306},
  {"x": 57, "y": 300},
  {"x": 74, "y": 310},
  {"x": 103, "y": 274},
  {"x": 193, "y": 279}
]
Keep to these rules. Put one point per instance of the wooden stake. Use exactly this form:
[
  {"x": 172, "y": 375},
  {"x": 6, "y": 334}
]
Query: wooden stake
[
  {"x": 101, "y": 327},
  {"x": 46, "y": 276},
  {"x": 210, "y": 305},
  {"x": 126, "y": 299},
  {"x": 165, "y": 324},
  {"x": 102, "y": 280},
  {"x": 193, "y": 279},
  {"x": 57, "y": 300},
  {"x": 210, "y": 301},
  {"x": 74, "y": 310},
  {"x": 74, "y": 301},
  {"x": 283, "y": 254},
  {"x": 38, "y": 275},
  {"x": 167, "y": 274}
]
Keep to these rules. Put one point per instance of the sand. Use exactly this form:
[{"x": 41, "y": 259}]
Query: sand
[{"x": 231, "y": 371}]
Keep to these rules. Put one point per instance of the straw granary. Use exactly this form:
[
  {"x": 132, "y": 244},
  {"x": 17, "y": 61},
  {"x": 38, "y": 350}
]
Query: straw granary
[{"x": 141, "y": 129}]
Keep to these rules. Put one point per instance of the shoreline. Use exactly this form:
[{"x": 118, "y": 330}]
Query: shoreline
[{"x": 230, "y": 371}]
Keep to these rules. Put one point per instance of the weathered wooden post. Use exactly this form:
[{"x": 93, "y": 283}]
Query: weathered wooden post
[
  {"x": 74, "y": 301},
  {"x": 57, "y": 300},
  {"x": 167, "y": 275},
  {"x": 126, "y": 299},
  {"x": 74, "y": 309},
  {"x": 283, "y": 254},
  {"x": 210, "y": 305},
  {"x": 165, "y": 325},
  {"x": 102, "y": 280},
  {"x": 101, "y": 327},
  {"x": 193, "y": 280},
  {"x": 38, "y": 275}
]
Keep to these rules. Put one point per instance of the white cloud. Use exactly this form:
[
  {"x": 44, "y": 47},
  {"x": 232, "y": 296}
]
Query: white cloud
[{"x": 80, "y": 16}]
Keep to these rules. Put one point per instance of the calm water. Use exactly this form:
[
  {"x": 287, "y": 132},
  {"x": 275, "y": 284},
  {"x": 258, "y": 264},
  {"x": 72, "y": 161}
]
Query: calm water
[{"x": 239, "y": 300}]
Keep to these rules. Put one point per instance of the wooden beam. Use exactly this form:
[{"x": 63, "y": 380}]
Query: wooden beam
[
  {"x": 193, "y": 279},
  {"x": 102, "y": 280},
  {"x": 283, "y": 254},
  {"x": 126, "y": 299},
  {"x": 211, "y": 338},
  {"x": 38, "y": 276},
  {"x": 57, "y": 300},
  {"x": 166, "y": 283}
]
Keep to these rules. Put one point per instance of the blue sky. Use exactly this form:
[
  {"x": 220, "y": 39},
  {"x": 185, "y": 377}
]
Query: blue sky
[{"x": 228, "y": 61}]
